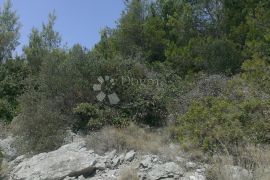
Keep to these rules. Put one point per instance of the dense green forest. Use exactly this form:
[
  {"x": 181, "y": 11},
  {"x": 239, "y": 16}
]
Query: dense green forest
[{"x": 199, "y": 68}]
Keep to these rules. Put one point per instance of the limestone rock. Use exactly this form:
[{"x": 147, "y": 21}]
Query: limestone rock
[
  {"x": 71, "y": 160},
  {"x": 167, "y": 170},
  {"x": 130, "y": 156},
  {"x": 7, "y": 149}
]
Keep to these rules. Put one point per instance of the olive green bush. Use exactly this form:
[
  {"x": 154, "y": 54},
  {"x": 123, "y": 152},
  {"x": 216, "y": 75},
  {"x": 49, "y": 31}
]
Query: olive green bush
[
  {"x": 12, "y": 84},
  {"x": 6, "y": 111},
  {"x": 217, "y": 123},
  {"x": 93, "y": 117},
  {"x": 37, "y": 113}
]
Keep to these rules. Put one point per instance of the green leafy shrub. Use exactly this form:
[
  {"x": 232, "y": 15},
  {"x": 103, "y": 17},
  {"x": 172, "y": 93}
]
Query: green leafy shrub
[
  {"x": 217, "y": 123},
  {"x": 40, "y": 127},
  {"x": 257, "y": 72},
  {"x": 147, "y": 106},
  {"x": 12, "y": 84},
  {"x": 93, "y": 117},
  {"x": 222, "y": 56},
  {"x": 86, "y": 112},
  {"x": 6, "y": 111}
]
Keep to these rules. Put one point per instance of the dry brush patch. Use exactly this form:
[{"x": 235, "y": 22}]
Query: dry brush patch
[
  {"x": 253, "y": 158},
  {"x": 128, "y": 174},
  {"x": 132, "y": 138},
  {"x": 4, "y": 130}
]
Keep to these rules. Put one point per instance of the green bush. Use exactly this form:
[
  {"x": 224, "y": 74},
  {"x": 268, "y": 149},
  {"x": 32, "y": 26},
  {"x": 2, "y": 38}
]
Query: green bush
[
  {"x": 6, "y": 111},
  {"x": 215, "y": 123},
  {"x": 147, "y": 106},
  {"x": 257, "y": 72},
  {"x": 93, "y": 117},
  {"x": 12, "y": 84},
  {"x": 40, "y": 127},
  {"x": 86, "y": 112},
  {"x": 222, "y": 56}
]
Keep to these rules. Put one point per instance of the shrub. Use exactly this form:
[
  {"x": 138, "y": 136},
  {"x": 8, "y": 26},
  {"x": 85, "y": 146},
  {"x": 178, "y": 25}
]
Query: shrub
[
  {"x": 94, "y": 117},
  {"x": 147, "y": 106},
  {"x": 6, "y": 111},
  {"x": 222, "y": 56},
  {"x": 252, "y": 158},
  {"x": 131, "y": 137},
  {"x": 257, "y": 72},
  {"x": 40, "y": 127},
  {"x": 85, "y": 112},
  {"x": 12, "y": 84},
  {"x": 217, "y": 123},
  {"x": 4, "y": 130}
]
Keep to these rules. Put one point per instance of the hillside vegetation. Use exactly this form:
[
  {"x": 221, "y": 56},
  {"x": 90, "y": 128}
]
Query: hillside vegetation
[{"x": 198, "y": 69}]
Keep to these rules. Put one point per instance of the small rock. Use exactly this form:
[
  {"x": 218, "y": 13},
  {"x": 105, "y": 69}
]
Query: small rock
[
  {"x": 146, "y": 162},
  {"x": 167, "y": 170},
  {"x": 117, "y": 160},
  {"x": 110, "y": 155},
  {"x": 102, "y": 164},
  {"x": 197, "y": 177},
  {"x": 180, "y": 159},
  {"x": 191, "y": 165},
  {"x": 81, "y": 178},
  {"x": 130, "y": 156},
  {"x": 6, "y": 146},
  {"x": 202, "y": 170},
  {"x": 194, "y": 176}
]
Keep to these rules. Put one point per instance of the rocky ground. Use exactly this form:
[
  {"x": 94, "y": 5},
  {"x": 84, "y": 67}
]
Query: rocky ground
[{"x": 75, "y": 161}]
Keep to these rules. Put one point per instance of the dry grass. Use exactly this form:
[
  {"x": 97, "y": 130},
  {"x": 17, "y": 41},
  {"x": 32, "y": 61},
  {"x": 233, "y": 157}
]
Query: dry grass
[
  {"x": 131, "y": 138},
  {"x": 128, "y": 174},
  {"x": 254, "y": 159},
  {"x": 4, "y": 130}
]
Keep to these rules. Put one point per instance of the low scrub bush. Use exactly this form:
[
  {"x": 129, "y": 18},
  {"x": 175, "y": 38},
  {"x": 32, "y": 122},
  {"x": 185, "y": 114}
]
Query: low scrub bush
[
  {"x": 93, "y": 117},
  {"x": 6, "y": 111},
  {"x": 252, "y": 158},
  {"x": 216, "y": 122},
  {"x": 129, "y": 138},
  {"x": 4, "y": 130},
  {"x": 12, "y": 84},
  {"x": 40, "y": 127}
]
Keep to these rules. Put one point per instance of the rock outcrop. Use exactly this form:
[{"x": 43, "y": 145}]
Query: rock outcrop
[
  {"x": 6, "y": 147},
  {"x": 75, "y": 161},
  {"x": 70, "y": 160}
]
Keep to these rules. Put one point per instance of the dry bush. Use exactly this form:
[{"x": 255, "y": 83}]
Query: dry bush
[
  {"x": 253, "y": 158},
  {"x": 128, "y": 174},
  {"x": 4, "y": 130},
  {"x": 130, "y": 138},
  {"x": 196, "y": 88}
]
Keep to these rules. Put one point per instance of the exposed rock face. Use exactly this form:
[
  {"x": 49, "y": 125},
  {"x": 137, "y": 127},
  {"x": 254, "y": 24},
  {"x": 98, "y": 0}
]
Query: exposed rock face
[
  {"x": 74, "y": 161},
  {"x": 167, "y": 170},
  {"x": 70, "y": 160},
  {"x": 130, "y": 156},
  {"x": 6, "y": 146}
]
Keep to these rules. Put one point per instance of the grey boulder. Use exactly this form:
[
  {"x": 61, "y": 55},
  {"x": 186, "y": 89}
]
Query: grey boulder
[{"x": 71, "y": 160}]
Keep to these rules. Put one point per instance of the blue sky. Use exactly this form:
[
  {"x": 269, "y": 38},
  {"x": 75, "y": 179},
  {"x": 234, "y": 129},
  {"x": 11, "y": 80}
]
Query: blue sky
[{"x": 78, "y": 21}]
